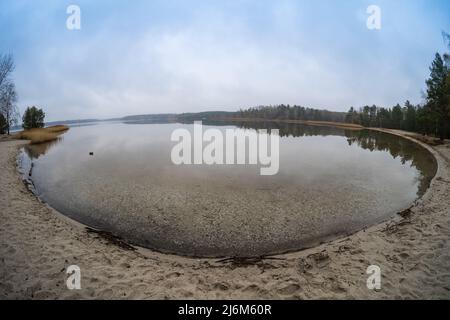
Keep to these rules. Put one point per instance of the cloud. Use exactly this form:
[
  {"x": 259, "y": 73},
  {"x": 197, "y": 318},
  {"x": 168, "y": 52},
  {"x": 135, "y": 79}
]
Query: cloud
[{"x": 217, "y": 57}]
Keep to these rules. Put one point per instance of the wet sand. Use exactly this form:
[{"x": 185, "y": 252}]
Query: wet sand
[{"x": 37, "y": 244}]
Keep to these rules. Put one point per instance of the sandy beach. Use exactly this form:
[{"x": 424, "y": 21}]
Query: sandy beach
[{"x": 37, "y": 244}]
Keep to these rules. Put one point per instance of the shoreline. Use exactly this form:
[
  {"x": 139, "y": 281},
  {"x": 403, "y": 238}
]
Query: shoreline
[
  {"x": 335, "y": 269},
  {"x": 124, "y": 240},
  {"x": 341, "y": 125}
]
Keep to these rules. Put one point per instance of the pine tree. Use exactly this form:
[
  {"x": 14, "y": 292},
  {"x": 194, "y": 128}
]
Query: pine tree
[
  {"x": 33, "y": 118},
  {"x": 397, "y": 117},
  {"x": 438, "y": 96},
  {"x": 410, "y": 121}
]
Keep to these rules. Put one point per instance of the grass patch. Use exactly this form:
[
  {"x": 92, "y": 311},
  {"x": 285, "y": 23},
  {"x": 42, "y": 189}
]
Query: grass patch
[
  {"x": 42, "y": 135},
  {"x": 58, "y": 128}
]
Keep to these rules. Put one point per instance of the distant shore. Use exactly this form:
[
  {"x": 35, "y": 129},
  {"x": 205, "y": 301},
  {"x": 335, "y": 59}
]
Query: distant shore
[
  {"x": 306, "y": 122},
  {"x": 37, "y": 244}
]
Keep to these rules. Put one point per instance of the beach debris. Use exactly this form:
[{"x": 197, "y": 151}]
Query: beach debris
[
  {"x": 321, "y": 259},
  {"x": 442, "y": 179},
  {"x": 304, "y": 266},
  {"x": 111, "y": 238},
  {"x": 405, "y": 214},
  {"x": 31, "y": 169},
  {"x": 393, "y": 227},
  {"x": 239, "y": 262},
  {"x": 343, "y": 248}
]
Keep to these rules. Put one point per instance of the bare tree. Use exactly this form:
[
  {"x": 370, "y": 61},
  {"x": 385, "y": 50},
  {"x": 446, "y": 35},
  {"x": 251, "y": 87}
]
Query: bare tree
[
  {"x": 446, "y": 38},
  {"x": 6, "y": 67},
  {"x": 8, "y": 95},
  {"x": 8, "y": 108}
]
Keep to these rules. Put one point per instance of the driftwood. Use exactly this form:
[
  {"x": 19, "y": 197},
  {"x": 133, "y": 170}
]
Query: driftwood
[
  {"x": 111, "y": 238},
  {"x": 405, "y": 214},
  {"x": 242, "y": 262}
]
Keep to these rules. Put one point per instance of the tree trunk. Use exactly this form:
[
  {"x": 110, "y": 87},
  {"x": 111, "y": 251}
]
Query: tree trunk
[
  {"x": 444, "y": 127},
  {"x": 7, "y": 121}
]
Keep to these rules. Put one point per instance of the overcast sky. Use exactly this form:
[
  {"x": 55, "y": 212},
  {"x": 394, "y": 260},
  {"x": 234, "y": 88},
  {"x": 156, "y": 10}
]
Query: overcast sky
[{"x": 167, "y": 56}]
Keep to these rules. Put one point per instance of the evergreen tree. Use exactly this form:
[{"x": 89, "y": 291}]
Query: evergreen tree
[
  {"x": 33, "y": 118},
  {"x": 373, "y": 116},
  {"x": 397, "y": 117},
  {"x": 349, "y": 117},
  {"x": 410, "y": 119},
  {"x": 438, "y": 96},
  {"x": 384, "y": 118}
]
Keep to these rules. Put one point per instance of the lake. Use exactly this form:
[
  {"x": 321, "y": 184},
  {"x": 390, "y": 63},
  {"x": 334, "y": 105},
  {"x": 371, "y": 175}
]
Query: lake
[{"x": 331, "y": 182}]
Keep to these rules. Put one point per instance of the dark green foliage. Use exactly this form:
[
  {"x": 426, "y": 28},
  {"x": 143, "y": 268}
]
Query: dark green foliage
[
  {"x": 2, "y": 124},
  {"x": 352, "y": 116},
  {"x": 438, "y": 92},
  {"x": 287, "y": 112},
  {"x": 410, "y": 122},
  {"x": 397, "y": 117},
  {"x": 431, "y": 118},
  {"x": 33, "y": 118}
]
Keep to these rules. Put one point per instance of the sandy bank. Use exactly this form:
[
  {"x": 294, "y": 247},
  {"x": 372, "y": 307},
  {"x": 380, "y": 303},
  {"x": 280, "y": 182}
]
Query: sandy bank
[
  {"x": 37, "y": 245},
  {"x": 342, "y": 125}
]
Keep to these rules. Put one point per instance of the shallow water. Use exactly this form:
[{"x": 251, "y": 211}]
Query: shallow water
[{"x": 331, "y": 182}]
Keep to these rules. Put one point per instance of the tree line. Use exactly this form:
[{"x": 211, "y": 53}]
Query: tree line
[
  {"x": 288, "y": 112},
  {"x": 33, "y": 117},
  {"x": 430, "y": 118}
]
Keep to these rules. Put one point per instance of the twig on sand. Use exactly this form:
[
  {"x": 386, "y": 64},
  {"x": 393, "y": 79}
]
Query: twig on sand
[
  {"x": 393, "y": 227},
  {"x": 238, "y": 262},
  {"x": 405, "y": 214},
  {"x": 442, "y": 180},
  {"x": 111, "y": 238}
]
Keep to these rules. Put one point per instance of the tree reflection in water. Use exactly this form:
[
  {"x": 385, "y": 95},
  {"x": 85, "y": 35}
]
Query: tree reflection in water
[
  {"x": 34, "y": 151},
  {"x": 370, "y": 140}
]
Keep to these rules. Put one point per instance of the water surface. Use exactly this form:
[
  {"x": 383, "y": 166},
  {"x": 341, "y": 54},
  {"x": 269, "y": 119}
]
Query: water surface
[{"x": 331, "y": 182}]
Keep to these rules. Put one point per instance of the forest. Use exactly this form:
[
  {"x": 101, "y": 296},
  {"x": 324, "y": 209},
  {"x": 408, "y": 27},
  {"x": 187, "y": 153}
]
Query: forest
[{"x": 432, "y": 117}]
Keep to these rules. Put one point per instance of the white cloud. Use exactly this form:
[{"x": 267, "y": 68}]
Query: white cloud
[{"x": 214, "y": 60}]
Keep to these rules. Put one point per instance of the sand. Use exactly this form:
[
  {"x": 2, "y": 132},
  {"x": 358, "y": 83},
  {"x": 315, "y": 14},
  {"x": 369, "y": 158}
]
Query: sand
[{"x": 37, "y": 244}]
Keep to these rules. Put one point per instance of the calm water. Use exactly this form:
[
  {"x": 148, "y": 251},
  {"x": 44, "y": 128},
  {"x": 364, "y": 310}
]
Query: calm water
[{"x": 330, "y": 182}]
